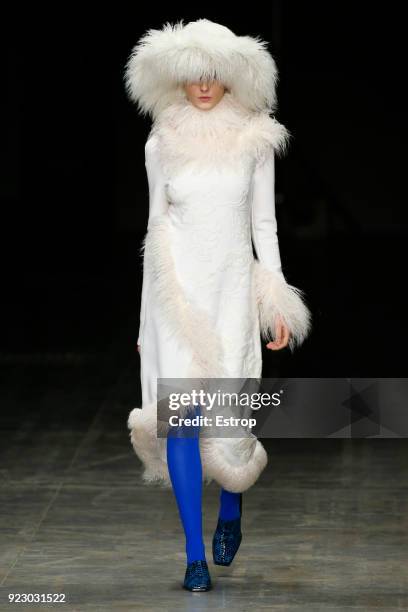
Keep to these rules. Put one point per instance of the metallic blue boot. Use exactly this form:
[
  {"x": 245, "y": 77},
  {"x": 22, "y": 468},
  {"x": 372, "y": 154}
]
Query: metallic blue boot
[
  {"x": 227, "y": 539},
  {"x": 197, "y": 577}
]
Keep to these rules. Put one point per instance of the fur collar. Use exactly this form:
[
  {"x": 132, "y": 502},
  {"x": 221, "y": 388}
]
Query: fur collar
[{"x": 226, "y": 134}]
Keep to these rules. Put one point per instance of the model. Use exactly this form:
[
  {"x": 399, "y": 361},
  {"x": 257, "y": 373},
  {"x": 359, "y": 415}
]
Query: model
[{"x": 206, "y": 300}]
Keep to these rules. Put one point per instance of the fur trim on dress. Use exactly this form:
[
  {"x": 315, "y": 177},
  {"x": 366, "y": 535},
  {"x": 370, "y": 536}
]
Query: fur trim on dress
[
  {"x": 277, "y": 297},
  {"x": 188, "y": 325},
  {"x": 237, "y": 462},
  {"x": 225, "y": 135},
  {"x": 162, "y": 60},
  {"x": 234, "y": 463}
]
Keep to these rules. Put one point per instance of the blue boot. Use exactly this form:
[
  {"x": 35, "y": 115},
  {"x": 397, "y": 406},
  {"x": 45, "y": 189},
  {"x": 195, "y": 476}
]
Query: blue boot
[
  {"x": 227, "y": 539},
  {"x": 197, "y": 577}
]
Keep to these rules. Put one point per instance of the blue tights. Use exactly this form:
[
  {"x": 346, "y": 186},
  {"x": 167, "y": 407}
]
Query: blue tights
[{"x": 185, "y": 469}]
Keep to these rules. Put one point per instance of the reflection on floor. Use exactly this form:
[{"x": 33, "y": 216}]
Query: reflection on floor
[{"x": 325, "y": 528}]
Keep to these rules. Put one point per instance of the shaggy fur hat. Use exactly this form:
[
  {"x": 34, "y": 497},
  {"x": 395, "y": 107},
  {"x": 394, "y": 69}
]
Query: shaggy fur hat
[{"x": 162, "y": 60}]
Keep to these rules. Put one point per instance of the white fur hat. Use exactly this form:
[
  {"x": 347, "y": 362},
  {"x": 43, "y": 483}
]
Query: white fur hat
[{"x": 163, "y": 59}]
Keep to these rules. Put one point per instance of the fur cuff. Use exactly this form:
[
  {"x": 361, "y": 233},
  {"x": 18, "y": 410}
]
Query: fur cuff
[
  {"x": 275, "y": 297},
  {"x": 234, "y": 463}
]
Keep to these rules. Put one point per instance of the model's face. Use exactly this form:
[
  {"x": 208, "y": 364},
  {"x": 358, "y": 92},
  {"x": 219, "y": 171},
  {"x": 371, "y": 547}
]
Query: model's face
[{"x": 204, "y": 94}]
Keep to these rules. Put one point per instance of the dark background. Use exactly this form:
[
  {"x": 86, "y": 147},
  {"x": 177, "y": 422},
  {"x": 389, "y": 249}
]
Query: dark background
[{"x": 74, "y": 190}]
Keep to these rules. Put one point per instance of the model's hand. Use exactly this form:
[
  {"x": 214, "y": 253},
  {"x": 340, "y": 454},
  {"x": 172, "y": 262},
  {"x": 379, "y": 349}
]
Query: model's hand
[
  {"x": 138, "y": 348},
  {"x": 282, "y": 336}
]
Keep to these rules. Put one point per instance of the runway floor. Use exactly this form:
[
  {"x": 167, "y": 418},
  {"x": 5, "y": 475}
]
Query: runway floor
[{"x": 325, "y": 528}]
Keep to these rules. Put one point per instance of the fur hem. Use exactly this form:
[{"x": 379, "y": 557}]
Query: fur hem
[
  {"x": 275, "y": 297},
  {"x": 143, "y": 436},
  {"x": 234, "y": 463}
]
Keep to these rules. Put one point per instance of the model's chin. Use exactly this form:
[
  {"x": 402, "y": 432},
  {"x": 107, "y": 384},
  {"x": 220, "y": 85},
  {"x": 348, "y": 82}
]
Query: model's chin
[{"x": 205, "y": 104}]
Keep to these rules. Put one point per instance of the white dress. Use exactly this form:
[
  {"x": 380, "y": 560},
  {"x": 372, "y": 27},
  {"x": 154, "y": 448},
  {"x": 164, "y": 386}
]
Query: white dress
[{"x": 206, "y": 300}]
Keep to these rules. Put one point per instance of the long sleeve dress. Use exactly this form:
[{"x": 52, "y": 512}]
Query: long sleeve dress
[{"x": 206, "y": 300}]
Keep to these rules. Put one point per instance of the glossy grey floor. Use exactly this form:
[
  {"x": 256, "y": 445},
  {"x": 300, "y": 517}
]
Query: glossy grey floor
[{"x": 325, "y": 528}]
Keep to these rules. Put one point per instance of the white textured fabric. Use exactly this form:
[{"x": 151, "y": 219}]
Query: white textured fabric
[{"x": 205, "y": 299}]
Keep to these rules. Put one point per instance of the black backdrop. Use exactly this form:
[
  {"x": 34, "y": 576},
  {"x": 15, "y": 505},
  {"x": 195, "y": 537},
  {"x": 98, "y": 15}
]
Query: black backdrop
[{"x": 74, "y": 192}]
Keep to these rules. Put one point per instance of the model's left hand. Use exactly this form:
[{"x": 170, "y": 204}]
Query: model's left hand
[{"x": 282, "y": 336}]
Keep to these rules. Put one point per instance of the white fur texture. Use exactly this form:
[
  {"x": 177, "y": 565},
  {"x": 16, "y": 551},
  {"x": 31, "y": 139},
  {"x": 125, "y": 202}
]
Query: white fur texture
[
  {"x": 143, "y": 435},
  {"x": 225, "y": 134},
  {"x": 238, "y": 130},
  {"x": 162, "y": 60},
  {"x": 234, "y": 463},
  {"x": 187, "y": 324},
  {"x": 277, "y": 297}
]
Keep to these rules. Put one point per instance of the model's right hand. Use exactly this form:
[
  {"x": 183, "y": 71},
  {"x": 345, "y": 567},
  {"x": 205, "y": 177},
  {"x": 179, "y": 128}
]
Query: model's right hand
[{"x": 138, "y": 348}]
